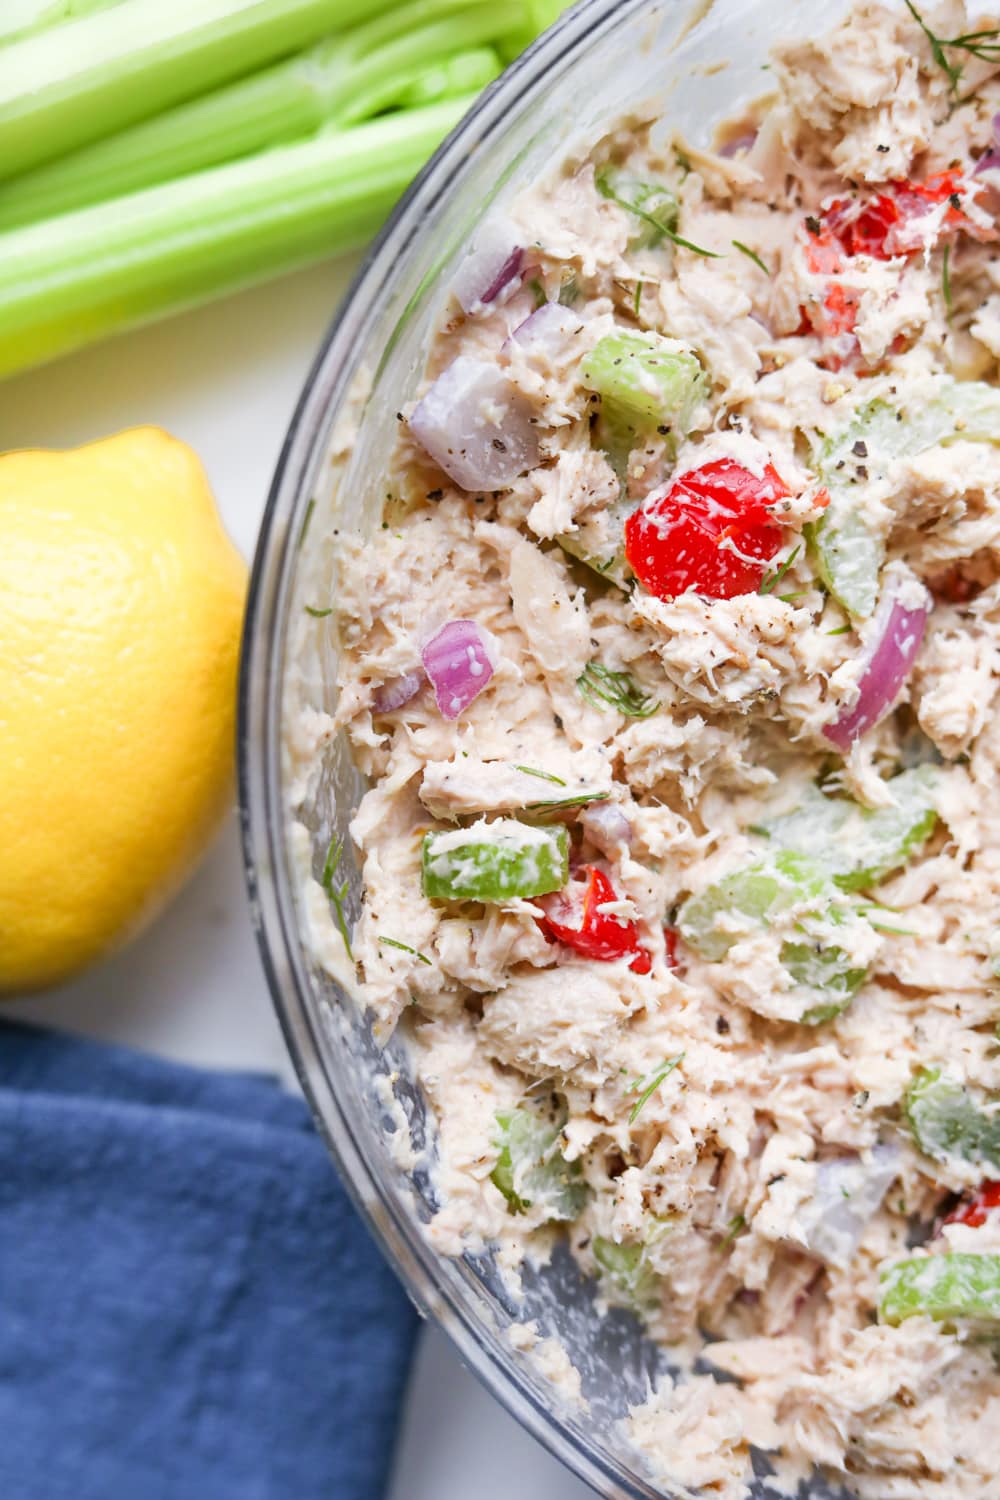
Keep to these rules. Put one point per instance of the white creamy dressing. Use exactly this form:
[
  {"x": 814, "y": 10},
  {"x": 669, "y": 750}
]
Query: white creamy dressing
[{"x": 770, "y": 1175}]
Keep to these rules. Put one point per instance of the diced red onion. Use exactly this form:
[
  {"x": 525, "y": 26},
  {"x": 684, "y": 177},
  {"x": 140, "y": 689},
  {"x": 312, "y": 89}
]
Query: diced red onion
[
  {"x": 545, "y": 329},
  {"x": 392, "y": 695},
  {"x": 849, "y": 1192},
  {"x": 607, "y": 827},
  {"x": 990, "y": 158},
  {"x": 493, "y": 266},
  {"x": 476, "y": 426},
  {"x": 898, "y": 634},
  {"x": 739, "y": 143},
  {"x": 459, "y": 660}
]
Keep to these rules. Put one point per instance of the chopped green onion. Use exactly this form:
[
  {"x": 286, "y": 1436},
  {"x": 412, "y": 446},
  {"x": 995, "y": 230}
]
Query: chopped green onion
[
  {"x": 946, "y": 279},
  {"x": 656, "y": 1078},
  {"x": 599, "y": 685},
  {"x": 318, "y": 614},
  {"x": 497, "y": 861}
]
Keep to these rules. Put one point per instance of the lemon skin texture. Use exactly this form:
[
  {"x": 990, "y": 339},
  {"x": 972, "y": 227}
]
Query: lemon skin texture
[{"x": 121, "y": 600}]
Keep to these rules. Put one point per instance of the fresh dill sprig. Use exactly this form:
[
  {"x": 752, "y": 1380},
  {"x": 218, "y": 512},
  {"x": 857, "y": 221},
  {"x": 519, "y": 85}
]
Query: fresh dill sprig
[
  {"x": 318, "y": 614},
  {"x": 537, "y": 291},
  {"x": 638, "y": 296},
  {"x": 840, "y": 630},
  {"x": 736, "y": 1226},
  {"x": 578, "y": 799},
  {"x": 607, "y": 191},
  {"x": 946, "y": 279},
  {"x": 751, "y": 255},
  {"x": 543, "y": 775},
  {"x": 774, "y": 578},
  {"x": 599, "y": 685},
  {"x": 655, "y": 1079},
  {"x": 336, "y": 893},
  {"x": 982, "y": 44},
  {"x": 395, "y": 943}
]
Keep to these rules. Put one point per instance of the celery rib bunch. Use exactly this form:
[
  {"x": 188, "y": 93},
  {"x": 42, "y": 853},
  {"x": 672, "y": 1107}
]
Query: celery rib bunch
[{"x": 154, "y": 155}]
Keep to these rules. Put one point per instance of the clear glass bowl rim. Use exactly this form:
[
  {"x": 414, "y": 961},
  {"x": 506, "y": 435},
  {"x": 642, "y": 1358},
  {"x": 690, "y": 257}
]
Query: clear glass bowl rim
[{"x": 263, "y": 825}]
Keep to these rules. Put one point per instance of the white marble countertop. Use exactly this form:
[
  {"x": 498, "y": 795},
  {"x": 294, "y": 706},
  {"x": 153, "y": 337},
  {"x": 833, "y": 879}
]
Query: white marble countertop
[{"x": 225, "y": 379}]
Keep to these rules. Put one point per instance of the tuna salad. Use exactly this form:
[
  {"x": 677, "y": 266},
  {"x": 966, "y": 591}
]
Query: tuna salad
[{"x": 673, "y": 674}]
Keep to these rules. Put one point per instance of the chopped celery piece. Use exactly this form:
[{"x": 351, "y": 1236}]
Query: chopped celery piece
[
  {"x": 949, "y": 1125},
  {"x": 848, "y": 553},
  {"x": 407, "y": 57},
  {"x": 68, "y": 281},
  {"x": 22, "y": 18},
  {"x": 751, "y": 897},
  {"x": 654, "y": 206},
  {"x": 651, "y": 377},
  {"x": 858, "y": 845},
  {"x": 531, "y": 1171},
  {"x": 496, "y": 861},
  {"x": 77, "y": 82},
  {"x": 957, "y": 1288},
  {"x": 827, "y": 970},
  {"x": 600, "y": 543},
  {"x": 628, "y": 1269}
]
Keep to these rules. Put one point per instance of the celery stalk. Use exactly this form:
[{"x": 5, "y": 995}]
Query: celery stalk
[
  {"x": 341, "y": 81},
  {"x": 83, "y": 276},
  {"x": 76, "y": 82},
  {"x": 24, "y": 17}
]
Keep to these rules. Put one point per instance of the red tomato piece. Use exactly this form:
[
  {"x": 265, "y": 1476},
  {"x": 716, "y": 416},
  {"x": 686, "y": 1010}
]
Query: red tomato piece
[
  {"x": 571, "y": 916},
  {"x": 887, "y": 225},
  {"x": 974, "y": 1212},
  {"x": 670, "y": 936},
  {"x": 711, "y": 532}
]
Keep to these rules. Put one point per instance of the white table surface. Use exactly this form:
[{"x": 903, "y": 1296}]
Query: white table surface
[{"x": 225, "y": 379}]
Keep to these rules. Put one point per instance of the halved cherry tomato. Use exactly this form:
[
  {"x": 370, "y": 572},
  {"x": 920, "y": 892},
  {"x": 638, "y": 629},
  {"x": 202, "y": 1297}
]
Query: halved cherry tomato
[
  {"x": 571, "y": 916},
  {"x": 887, "y": 225},
  {"x": 710, "y": 533},
  {"x": 974, "y": 1212}
]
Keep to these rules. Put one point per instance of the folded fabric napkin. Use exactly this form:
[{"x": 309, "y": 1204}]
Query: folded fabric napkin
[{"x": 189, "y": 1307}]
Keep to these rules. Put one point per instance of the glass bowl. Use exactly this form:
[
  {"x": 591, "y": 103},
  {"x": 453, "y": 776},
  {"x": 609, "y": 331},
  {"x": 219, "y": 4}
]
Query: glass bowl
[{"x": 692, "y": 61}]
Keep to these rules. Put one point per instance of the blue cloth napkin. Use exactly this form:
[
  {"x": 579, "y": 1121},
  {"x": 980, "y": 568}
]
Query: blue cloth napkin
[{"x": 189, "y": 1307}]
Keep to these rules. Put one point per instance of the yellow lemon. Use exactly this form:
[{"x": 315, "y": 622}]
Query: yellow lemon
[{"x": 120, "y": 606}]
